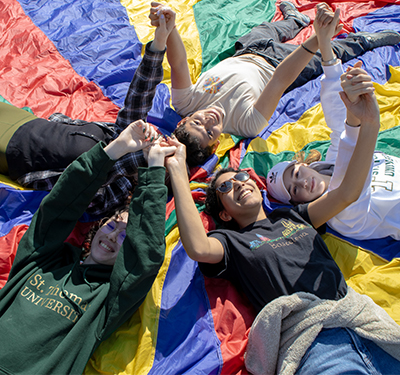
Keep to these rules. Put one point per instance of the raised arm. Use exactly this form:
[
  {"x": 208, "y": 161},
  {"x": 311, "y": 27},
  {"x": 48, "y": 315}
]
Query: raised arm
[
  {"x": 366, "y": 109},
  {"x": 148, "y": 75},
  {"x": 176, "y": 52},
  {"x": 289, "y": 69},
  {"x": 198, "y": 246}
]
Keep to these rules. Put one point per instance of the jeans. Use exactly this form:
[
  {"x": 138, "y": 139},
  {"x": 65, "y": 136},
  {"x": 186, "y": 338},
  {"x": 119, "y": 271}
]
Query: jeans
[
  {"x": 341, "y": 351},
  {"x": 268, "y": 40}
]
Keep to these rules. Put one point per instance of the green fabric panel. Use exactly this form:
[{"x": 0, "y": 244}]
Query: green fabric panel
[
  {"x": 262, "y": 162},
  {"x": 388, "y": 142},
  {"x": 222, "y": 22},
  {"x": 171, "y": 221}
]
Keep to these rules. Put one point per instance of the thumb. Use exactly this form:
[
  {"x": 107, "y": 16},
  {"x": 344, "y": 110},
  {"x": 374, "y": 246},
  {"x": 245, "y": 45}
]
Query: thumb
[{"x": 336, "y": 16}]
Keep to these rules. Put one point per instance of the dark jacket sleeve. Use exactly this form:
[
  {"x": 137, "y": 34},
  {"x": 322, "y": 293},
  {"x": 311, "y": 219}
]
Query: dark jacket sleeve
[
  {"x": 142, "y": 252},
  {"x": 139, "y": 99}
]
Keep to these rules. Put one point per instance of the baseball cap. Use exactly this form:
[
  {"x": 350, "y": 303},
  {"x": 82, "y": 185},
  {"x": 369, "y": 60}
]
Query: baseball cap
[{"x": 275, "y": 186}]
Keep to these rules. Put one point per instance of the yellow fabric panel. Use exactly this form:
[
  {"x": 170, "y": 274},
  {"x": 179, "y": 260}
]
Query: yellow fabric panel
[
  {"x": 368, "y": 273},
  {"x": 131, "y": 348},
  {"x": 294, "y": 136},
  {"x": 138, "y": 12},
  {"x": 226, "y": 143},
  {"x": 388, "y": 96},
  {"x": 7, "y": 181}
]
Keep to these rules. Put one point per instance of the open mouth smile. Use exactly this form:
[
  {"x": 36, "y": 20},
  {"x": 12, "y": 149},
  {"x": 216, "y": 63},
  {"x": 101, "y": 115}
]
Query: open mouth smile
[
  {"x": 106, "y": 247},
  {"x": 243, "y": 194}
]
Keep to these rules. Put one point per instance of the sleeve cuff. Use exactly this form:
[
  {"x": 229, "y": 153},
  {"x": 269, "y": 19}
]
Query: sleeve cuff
[
  {"x": 154, "y": 56},
  {"x": 151, "y": 175},
  {"x": 333, "y": 71},
  {"x": 351, "y": 133}
]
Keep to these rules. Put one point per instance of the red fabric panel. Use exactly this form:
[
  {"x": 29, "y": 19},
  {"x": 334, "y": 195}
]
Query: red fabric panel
[
  {"x": 349, "y": 10},
  {"x": 8, "y": 249},
  {"x": 234, "y": 155},
  {"x": 78, "y": 235},
  {"x": 233, "y": 316},
  {"x": 37, "y": 76}
]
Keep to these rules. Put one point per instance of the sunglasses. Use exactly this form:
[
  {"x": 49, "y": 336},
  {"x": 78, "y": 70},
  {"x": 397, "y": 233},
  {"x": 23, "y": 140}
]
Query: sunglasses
[
  {"x": 111, "y": 227},
  {"x": 227, "y": 186}
]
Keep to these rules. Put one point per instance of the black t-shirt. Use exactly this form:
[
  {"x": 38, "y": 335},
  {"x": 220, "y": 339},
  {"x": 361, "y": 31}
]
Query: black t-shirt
[{"x": 278, "y": 256}]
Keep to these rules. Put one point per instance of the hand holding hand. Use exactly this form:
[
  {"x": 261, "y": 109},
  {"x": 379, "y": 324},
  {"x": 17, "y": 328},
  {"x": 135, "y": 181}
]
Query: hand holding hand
[
  {"x": 158, "y": 151},
  {"x": 134, "y": 137},
  {"x": 359, "y": 97},
  {"x": 178, "y": 160},
  {"x": 164, "y": 19},
  {"x": 326, "y": 23},
  {"x": 356, "y": 82}
]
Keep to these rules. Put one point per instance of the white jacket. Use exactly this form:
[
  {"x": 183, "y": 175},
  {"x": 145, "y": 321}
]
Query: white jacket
[{"x": 376, "y": 214}]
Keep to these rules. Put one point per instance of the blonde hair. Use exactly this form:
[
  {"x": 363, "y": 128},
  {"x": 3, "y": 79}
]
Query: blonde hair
[{"x": 313, "y": 155}]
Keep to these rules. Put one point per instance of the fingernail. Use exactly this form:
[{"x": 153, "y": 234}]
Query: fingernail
[
  {"x": 152, "y": 138},
  {"x": 144, "y": 129},
  {"x": 162, "y": 16}
]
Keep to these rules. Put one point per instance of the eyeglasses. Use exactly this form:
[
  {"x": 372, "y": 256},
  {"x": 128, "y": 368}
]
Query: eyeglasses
[
  {"x": 110, "y": 227},
  {"x": 227, "y": 186}
]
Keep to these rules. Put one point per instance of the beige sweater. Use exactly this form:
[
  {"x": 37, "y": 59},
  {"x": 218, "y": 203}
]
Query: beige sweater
[{"x": 286, "y": 327}]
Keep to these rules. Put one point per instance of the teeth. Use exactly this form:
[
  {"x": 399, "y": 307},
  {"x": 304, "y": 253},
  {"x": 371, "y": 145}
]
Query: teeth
[
  {"x": 244, "y": 194},
  {"x": 102, "y": 244}
]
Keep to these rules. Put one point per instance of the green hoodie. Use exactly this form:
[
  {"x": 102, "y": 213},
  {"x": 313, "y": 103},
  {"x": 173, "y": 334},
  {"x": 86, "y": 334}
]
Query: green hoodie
[{"x": 54, "y": 311}]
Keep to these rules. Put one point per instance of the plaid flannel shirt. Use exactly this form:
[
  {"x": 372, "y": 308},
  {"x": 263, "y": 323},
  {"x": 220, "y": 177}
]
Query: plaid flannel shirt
[{"x": 121, "y": 179}]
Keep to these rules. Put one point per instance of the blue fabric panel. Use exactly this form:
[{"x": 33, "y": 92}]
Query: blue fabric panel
[{"x": 192, "y": 347}]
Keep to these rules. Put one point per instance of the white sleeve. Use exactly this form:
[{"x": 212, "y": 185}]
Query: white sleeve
[
  {"x": 347, "y": 143},
  {"x": 354, "y": 218},
  {"x": 332, "y": 106},
  {"x": 182, "y": 100}
]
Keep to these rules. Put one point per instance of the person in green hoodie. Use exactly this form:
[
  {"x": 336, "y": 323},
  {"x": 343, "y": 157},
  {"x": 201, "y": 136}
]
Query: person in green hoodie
[{"x": 55, "y": 309}]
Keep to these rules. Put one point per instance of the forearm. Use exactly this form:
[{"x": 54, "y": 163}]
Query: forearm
[
  {"x": 360, "y": 162},
  {"x": 285, "y": 74},
  {"x": 192, "y": 232},
  {"x": 336, "y": 200},
  {"x": 177, "y": 59},
  {"x": 141, "y": 92}
]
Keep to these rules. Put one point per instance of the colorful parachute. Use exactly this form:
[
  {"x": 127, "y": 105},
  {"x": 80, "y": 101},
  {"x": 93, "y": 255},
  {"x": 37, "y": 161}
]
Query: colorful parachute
[{"x": 78, "y": 57}]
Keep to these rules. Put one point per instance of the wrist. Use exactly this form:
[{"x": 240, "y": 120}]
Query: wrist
[
  {"x": 330, "y": 62},
  {"x": 352, "y": 124},
  {"x": 114, "y": 150},
  {"x": 157, "y": 45}
]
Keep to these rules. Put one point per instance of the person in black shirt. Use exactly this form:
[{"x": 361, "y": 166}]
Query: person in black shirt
[{"x": 281, "y": 255}]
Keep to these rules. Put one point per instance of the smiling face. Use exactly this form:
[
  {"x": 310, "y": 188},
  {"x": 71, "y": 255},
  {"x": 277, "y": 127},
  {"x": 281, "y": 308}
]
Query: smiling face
[
  {"x": 107, "y": 242},
  {"x": 243, "y": 203},
  {"x": 303, "y": 183},
  {"x": 206, "y": 125}
]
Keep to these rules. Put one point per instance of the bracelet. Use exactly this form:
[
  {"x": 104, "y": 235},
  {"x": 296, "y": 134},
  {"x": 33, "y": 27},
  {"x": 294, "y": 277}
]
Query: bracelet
[
  {"x": 334, "y": 61},
  {"x": 352, "y": 126},
  {"x": 313, "y": 53}
]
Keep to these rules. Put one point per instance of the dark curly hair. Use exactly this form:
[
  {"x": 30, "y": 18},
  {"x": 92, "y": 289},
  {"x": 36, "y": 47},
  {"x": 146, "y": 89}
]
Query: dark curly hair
[
  {"x": 213, "y": 205},
  {"x": 195, "y": 154}
]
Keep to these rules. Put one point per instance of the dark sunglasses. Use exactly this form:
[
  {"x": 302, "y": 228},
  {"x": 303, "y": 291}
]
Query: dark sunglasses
[{"x": 227, "y": 186}]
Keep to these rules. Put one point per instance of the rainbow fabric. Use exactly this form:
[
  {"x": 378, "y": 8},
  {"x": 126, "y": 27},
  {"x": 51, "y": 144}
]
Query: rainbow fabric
[{"x": 78, "y": 57}]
